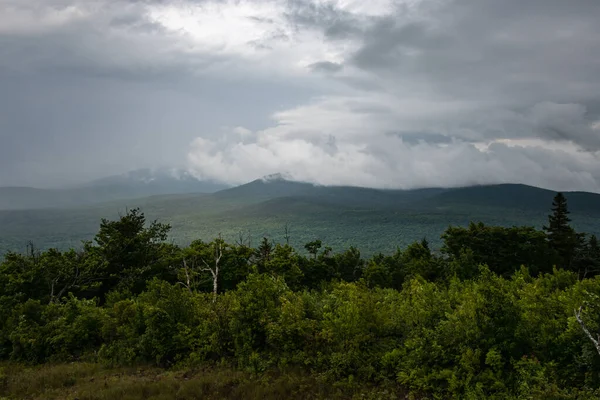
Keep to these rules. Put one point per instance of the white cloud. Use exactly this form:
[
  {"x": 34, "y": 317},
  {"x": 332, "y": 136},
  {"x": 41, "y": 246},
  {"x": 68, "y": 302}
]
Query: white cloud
[
  {"x": 327, "y": 148},
  {"x": 221, "y": 26},
  {"x": 255, "y": 35},
  {"x": 402, "y": 93},
  {"x": 19, "y": 18}
]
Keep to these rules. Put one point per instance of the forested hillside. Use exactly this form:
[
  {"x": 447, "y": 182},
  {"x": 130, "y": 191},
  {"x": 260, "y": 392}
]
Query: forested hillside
[
  {"x": 371, "y": 219},
  {"x": 498, "y": 312}
]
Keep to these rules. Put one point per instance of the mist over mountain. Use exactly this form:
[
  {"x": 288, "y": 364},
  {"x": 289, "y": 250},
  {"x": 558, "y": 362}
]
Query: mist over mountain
[
  {"x": 159, "y": 181},
  {"x": 130, "y": 185},
  {"x": 338, "y": 215}
]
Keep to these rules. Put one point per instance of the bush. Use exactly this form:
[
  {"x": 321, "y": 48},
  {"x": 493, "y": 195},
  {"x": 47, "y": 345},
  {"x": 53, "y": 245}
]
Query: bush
[{"x": 69, "y": 330}]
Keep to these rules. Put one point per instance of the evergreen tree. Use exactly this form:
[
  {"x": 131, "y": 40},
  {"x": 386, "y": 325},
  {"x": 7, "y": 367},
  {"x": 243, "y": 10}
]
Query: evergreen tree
[
  {"x": 559, "y": 220},
  {"x": 126, "y": 252},
  {"x": 262, "y": 254},
  {"x": 587, "y": 258},
  {"x": 593, "y": 246},
  {"x": 594, "y": 253},
  {"x": 561, "y": 236},
  {"x": 349, "y": 264}
]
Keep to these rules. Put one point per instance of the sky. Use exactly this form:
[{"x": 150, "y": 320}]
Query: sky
[{"x": 387, "y": 94}]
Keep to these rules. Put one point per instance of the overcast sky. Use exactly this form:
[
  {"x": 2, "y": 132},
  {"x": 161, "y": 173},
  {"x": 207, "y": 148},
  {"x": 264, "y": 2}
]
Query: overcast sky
[{"x": 405, "y": 93}]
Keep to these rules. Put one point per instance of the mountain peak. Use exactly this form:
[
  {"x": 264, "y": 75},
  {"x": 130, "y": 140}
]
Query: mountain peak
[{"x": 277, "y": 177}]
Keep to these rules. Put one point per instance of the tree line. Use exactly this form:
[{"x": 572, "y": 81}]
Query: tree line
[{"x": 498, "y": 311}]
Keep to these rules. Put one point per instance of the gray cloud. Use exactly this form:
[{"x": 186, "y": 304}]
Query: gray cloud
[
  {"x": 326, "y": 66},
  {"x": 414, "y": 138},
  {"x": 388, "y": 94},
  {"x": 321, "y": 15},
  {"x": 504, "y": 56},
  {"x": 111, "y": 90}
]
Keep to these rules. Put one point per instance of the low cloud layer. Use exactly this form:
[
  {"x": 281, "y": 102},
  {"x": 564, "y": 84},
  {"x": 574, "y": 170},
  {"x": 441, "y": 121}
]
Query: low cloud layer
[
  {"x": 386, "y": 94},
  {"x": 386, "y": 159}
]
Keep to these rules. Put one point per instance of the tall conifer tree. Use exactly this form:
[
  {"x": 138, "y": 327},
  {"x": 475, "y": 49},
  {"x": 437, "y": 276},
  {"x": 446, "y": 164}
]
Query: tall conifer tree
[{"x": 561, "y": 236}]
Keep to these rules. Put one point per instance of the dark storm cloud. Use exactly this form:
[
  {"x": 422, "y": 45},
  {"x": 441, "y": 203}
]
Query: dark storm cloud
[
  {"x": 388, "y": 44},
  {"x": 422, "y": 137},
  {"x": 326, "y": 66},
  {"x": 108, "y": 90},
  {"x": 387, "y": 93},
  {"x": 326, "y": 16},
  {"x": 514, "y": 54}
]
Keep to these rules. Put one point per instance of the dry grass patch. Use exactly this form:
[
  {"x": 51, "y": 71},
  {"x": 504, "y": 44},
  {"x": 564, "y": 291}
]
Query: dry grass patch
[{"x": 86, "y": 381}]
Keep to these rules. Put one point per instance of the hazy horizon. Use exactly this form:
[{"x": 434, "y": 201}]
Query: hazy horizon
[
  {"x": 403, "y": 94},
  {"x": 266, "y": 178}
]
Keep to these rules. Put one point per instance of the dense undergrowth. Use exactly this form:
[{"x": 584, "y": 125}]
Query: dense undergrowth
[{"x": 492, "y": 316}]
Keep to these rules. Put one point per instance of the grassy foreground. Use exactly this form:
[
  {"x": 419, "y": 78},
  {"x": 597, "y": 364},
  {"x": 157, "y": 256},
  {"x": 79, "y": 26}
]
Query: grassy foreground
[{"x": 89, "y": 381}]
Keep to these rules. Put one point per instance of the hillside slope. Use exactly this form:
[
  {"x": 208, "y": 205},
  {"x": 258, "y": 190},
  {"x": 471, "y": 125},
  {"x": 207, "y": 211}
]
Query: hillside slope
[
  {"x": 346, "y": 196},
  {"x": 513, "y": 196},
  {"x": 373, "y": 220}
]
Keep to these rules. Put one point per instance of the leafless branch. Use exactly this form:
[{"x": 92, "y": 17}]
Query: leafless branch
[
  {"x": 214, "y": 270},
  {"x": 586, "y": 330},
  {"x": 188, "y": 280}
]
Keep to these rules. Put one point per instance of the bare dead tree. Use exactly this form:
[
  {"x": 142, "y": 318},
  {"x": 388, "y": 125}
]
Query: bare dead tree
[
  {"x": 70, "y": 283},
  {"x": 214, "y": 268},
  {"x": 586, "y": 330},
  {"x": 286, "y": 233},
  {"x": 33, "y": 252},
  {"x": 240, "y": 239},
  {"x": 243, "y": 240},
  {"x": 188, "y": 278}
]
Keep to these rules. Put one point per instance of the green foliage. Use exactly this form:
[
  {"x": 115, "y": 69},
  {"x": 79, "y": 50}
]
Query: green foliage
[
  {"x": 372, "y": 220},
  {"x": 376, "y": 274},
  {"x": 349, "y": 264},
  {"x": 503, "y": 250},
  {"x": 492, "y": 316},
  {"x": 318, "y": 267},
  {"x": 285, "y": 263},
  {"x": 127, "y": 252},
  {"x": 48, "y": 276},
  {"x": 587, "y": 260},
  {"x": 58, "y": 331},
  {"x": 256, "y": 304}
]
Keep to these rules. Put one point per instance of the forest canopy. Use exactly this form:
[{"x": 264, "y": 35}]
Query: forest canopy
[{"x": 492, "y": 314}]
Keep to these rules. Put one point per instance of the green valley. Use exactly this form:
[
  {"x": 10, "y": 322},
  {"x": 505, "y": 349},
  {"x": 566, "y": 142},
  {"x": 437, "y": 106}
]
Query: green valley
[{"x": 370, "y": 219}]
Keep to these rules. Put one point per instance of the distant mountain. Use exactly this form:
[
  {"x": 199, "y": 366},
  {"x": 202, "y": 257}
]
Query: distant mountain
[
  {"x": 372, "y": 219},
  {"x": 511, "y": 196},
  {"x": 278, "y": 194},
  {"x": 158, "y": 181},
  {"x": 134, "y": 184},
  {"x": 266, "y": 197},
  {"x": 278, "y": 186},
  {"x": 268, "y": 187}
]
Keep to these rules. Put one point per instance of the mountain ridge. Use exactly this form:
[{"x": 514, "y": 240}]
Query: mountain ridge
[
  {"x": 131, "y": 185},
  {"x": 338, "y": 215},
  {"x": 148, "y": 182}
]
